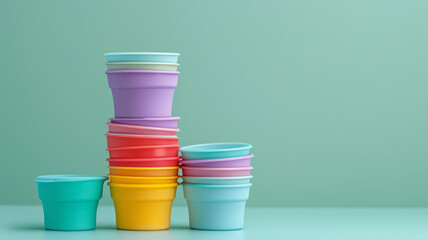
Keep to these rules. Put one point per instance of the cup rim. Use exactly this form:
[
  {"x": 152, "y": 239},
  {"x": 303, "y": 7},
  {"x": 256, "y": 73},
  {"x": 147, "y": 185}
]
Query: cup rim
[
  {"x": 143, "y": 168},
  {"x": 199, "y": 148},
  {"x": 140, "y": 53},
  {"x": 68, "y": 178},
  {"x": 142, "y": 135},
  {"x": 128, "y": 185},
  {"x": 219, "y": 178},
  {"x": 148, "y": 118},
  {"x": 137, "y": 177},
  {"x": 217, "y": 185},
  {"x": 143, "y": 147},
  {"x": 142, "y": 159},
  {"x": 143, "y": 127},
  {"x": 218, "y": 169},
  {"x": 141, "y": 71},
  {"x": 142, "y": 63},
  {"x": 216, "y": 159}
]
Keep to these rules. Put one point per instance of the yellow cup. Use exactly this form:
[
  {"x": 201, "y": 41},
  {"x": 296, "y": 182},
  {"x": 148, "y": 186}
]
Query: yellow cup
[
  {"x": 142, "y": 180},
  {"x": 143, "y": 206},
  {"x": 144, "y": 171}
]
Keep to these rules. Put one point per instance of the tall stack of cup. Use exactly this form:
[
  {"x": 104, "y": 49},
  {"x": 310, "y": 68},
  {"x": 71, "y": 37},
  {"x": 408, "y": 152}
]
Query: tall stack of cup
[
  {"x": 216, "y": 183},
  {"x": 142, "y": 142}
]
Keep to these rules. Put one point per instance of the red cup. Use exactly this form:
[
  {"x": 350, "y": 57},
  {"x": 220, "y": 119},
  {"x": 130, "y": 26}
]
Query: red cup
[
  {"x": 144, "y": 162},
  {"x": 129, "y": 140},
  {"x": 160, "y": 151}
]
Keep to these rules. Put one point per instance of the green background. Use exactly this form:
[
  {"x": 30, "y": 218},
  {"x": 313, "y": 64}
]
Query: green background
[{"x": 332, "y": 94}]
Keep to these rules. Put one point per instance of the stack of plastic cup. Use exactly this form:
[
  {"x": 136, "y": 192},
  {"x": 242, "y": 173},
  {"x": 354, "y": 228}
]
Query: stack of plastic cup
[
  {"x": 216, "y": 183},
  {"x": 142, "y": 142}
]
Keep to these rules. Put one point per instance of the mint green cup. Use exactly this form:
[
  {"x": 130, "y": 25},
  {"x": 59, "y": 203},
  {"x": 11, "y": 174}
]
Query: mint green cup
[
  {"x": 70, "y": 201},
  {"x": 142, "y": 66}
]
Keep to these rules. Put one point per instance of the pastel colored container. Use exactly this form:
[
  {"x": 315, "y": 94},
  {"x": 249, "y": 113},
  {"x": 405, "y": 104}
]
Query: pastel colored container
[
  {"x": 244, "y": 161},
  {"x": 217, "y": 180},
  {"x": 144, "y": 171},
  {"x": 143, "y": 206},
  {"x": 140, "y": 130},
  {"x": 70, "y": 201},
  {"x": 216, "y": 207},
  {"x": 142, "y": 93},
  {"x": 160, "y": 151},
  {"x": 216, "y": 172},
  {"x": 142, "y": 57},
  {"x": 142, "y": 180},
  {"x": 165, "y": 122},
  {"x": 142, "y": 66},
  {"x": 131, "y": 140},
  {"x": 215, "y": 150},
  {"x": 144, "y": 162}
]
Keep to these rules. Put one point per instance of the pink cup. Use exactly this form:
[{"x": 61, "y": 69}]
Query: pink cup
[
  {"x": 244, "y": 161},
  {"x": 216, "y": 172},
  {"x": 141, "y": 130}
]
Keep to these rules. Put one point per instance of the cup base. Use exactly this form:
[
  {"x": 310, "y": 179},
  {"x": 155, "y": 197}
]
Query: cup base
[
  {"x": 216, "y": 229},
  {"x": 70, "y": 216},
  {"x": 143, "y": 215},
  {"x": 216, "y": 216}
]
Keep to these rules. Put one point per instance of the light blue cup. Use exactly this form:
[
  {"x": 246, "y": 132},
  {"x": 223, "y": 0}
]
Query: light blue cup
[
  {"x": 70, "y": 201},
  {"x": 142, "y": 57},
  {"x": 216, "y": 207},
  {"x": 217, "y": 180},
  {"x": 215, "y": 150}
]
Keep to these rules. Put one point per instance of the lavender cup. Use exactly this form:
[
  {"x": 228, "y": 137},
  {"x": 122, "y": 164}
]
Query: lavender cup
[
  {"x": 142, "y": 93},
  {"x": 165, "y": 122},
  {"x": 244, "y": 161}
]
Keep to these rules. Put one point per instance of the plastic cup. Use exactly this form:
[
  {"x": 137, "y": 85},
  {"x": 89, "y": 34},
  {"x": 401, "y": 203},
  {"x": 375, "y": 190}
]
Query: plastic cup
[
  {"x": 160, "y": 151},
  {"x": 244, "y": 161},
  {"x": 129, "y": 140},
  {"x": 142, "y": 66},
  {"x": 141, "y": 130},
  {"x": 143, "y": 207},
  {"x": 142, "y": 57},
  {"x": 70, "y": 201},
  {"x": 142, "y": 93},
  {"x": 217, "y": 180},
  {"x": 144, "y": 162},
  {"x": 216, "y": 207},
  {"x": 165, "y": 122},
  {"x": 215, "y": 150},
  {"x": 142, "y": 180},
  {"x": 216, "y": 172},
  {"x": 144, "y": 171}
]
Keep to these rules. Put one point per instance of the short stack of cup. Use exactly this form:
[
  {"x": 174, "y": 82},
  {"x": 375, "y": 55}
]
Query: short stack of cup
[
  {"x": 216, "y": 183},
  {"x": 142, "y": 142}
]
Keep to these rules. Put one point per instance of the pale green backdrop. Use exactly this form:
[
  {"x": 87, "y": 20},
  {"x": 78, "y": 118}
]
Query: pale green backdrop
[{"x": 332, "y": 94}]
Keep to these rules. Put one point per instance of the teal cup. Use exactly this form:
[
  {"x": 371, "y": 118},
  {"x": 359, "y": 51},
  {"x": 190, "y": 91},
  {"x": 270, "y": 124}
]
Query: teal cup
[
  {"x": 70, "y": 201},
  {"x": 216, "y": 207}
]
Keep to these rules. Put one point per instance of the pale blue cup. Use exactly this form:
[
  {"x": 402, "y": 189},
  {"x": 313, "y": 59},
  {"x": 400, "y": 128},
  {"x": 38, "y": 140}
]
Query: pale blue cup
[
  {"x": 142, "y": 57},
  {"x": 216, "y": 207},
  {"x": 215, "y": 150}
]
